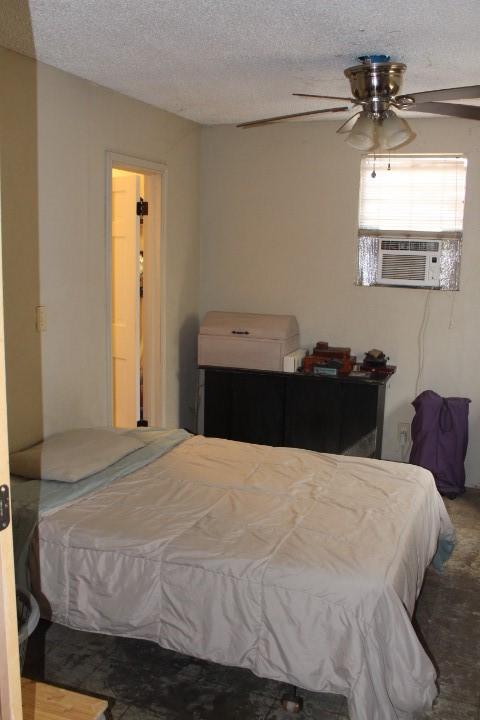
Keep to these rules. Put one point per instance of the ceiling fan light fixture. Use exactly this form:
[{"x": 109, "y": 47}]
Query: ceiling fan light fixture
[
  {"x": 376, "y": 86},
  {"x": 362, "y": 135},
  {"x": 393, "y": 131}
]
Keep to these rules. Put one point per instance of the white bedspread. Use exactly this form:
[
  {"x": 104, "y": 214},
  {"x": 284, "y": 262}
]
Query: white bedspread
[{"x": 300, "y": 566}]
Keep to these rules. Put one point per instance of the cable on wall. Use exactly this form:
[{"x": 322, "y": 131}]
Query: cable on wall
[
  {"x": 405, "y": 451},
  {"x": 421, "y": 341},
  {"x": 452, "y": 311},
  {"x": 197, "y": 403}
]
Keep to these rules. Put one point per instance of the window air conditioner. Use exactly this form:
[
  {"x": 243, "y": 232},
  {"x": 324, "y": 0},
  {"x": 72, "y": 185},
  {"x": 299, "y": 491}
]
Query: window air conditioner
[{"x": 414, "y": 263}]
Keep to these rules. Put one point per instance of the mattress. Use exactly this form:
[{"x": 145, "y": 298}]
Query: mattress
[{"x": 302, "y": 567}]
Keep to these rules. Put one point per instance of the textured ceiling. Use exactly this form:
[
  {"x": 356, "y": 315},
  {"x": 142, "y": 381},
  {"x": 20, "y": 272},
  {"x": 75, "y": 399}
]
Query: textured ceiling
[{"x": 227, "y": 61}]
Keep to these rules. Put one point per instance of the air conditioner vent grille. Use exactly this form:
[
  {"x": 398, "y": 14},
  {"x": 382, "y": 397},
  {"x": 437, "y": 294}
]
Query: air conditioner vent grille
[
  {"x": 411, "y": 245},
  {"x": 403, "y": 267}
]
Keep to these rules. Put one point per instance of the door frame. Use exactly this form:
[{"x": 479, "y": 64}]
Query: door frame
[
  {"x": 154, "y": 361},
  {"x": 10, "y": 693}
]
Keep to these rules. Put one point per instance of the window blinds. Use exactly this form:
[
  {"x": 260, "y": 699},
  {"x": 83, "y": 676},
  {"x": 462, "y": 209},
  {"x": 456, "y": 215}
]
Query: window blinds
[{"x": 418, "y": 194}]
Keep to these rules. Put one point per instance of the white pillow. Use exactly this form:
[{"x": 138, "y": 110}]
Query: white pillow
[{"x": 72, "y": 455}]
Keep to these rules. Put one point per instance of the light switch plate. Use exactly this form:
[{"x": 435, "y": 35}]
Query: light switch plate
[{"x": 41, "y": 318}]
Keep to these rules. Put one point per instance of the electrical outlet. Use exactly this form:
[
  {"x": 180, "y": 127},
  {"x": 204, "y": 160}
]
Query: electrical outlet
[{"x": 403, "y": 433}]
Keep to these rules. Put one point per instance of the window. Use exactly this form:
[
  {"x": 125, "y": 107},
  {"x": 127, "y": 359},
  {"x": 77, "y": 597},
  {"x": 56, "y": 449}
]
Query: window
[{"x": 411, "y": 220}]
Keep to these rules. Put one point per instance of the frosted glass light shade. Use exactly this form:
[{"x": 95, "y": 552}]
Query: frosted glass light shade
[
  {"x": 362, "y": 135},
  {"x": 393, "y": 131}
]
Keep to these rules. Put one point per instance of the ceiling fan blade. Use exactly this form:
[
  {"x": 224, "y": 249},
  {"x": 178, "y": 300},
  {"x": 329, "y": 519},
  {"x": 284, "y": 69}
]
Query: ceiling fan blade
[
  {"x": 459, "y": 93},
  {"x": 266, "y": 121},
  {"x": 326, "y": 97},
  {"x": 348, "y": 124},
  {"x": 469, "y": 112}
]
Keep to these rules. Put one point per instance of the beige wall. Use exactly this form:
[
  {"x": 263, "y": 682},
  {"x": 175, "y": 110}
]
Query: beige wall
[
  {"x": 19, "y": 198},
  {"x": 279, "y": 220},
  {"x": 56, "y": 129}
]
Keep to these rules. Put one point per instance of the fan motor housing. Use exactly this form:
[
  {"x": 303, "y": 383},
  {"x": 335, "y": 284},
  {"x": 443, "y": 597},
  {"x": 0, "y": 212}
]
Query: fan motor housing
[{"x": 375, "y": 84}]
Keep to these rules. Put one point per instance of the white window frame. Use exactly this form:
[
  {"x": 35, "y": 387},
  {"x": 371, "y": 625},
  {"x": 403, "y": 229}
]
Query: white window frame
[{"x": 406, "y": 246}]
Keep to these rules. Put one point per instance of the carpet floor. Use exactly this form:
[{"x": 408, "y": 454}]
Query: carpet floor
[{"x": 143, "y": 682}]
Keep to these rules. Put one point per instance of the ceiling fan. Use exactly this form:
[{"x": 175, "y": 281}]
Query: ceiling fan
[{"x": 376, "y": 85}]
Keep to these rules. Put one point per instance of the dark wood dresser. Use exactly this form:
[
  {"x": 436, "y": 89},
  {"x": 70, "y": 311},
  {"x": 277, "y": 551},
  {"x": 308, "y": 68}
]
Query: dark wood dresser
[{"x": 342, "y": 415}]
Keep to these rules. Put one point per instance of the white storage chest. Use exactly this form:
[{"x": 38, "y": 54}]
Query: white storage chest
[{"x": 246, "y": 340}]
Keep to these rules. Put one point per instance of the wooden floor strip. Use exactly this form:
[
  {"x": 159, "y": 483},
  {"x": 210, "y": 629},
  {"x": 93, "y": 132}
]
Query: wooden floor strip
[{"x": 47, "y": 702}]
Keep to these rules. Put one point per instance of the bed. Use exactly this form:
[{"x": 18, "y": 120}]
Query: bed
[{"x": 302, "y": 567}]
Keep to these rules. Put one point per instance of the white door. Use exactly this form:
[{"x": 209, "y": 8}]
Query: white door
[
  {"x": 10, "y": 696},
  {"x": 125, "y": 301}
]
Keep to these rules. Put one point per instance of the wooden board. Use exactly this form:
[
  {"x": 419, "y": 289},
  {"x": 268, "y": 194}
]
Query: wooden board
[
  {"x": 10, "y": 701},
  {"x": 47, "y": 702}
]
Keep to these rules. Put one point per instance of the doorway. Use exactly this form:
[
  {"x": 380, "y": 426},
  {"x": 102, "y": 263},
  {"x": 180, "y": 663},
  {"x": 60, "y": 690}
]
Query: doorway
[{"x": 135, "y": 258}]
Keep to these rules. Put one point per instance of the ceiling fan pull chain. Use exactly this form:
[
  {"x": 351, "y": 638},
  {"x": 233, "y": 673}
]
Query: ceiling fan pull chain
[
  {"x": 389, "y": 167},
  {"x": 374, "y": 174}
]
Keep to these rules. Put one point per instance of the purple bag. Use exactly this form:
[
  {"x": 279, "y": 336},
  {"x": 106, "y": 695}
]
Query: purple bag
[{"x": 440, "y": 439}]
